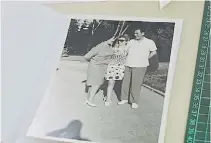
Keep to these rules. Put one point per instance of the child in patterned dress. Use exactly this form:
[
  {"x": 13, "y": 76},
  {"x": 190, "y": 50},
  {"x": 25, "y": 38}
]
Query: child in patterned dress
[{"x": 116, "y": 66}]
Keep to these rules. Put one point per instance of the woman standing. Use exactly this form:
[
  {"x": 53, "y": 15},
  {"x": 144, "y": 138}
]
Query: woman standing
[
  {"x": 116, "y": 67},
  {"x": 98, "y": 58}
]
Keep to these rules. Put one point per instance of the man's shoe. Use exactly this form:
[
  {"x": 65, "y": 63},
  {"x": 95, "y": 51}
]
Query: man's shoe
[
  {"x": 122, "y": 102},
  {"x": 134, "y": 106}
]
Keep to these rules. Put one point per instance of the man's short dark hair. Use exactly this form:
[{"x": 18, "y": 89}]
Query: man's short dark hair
[{"x": 141, "y": 29}]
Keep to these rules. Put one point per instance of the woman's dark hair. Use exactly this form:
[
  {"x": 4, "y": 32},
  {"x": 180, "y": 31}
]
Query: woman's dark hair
[{"x": 125, "y": 36}]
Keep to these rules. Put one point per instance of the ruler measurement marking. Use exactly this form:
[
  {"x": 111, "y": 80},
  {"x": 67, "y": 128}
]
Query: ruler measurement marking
[
  {"x": 197, "y": 118},
  {"x": 203, "y": 141},
  {"x": 203, "y": 114},
  {"x": 200, "y": 90},
  {"x": 205, "y": 97},
  {"x": 206, "y": 82},
  {"x": 204, "y": 106},
  {"x": 206, "y": 89},
  {"x": 207, "y": 125},
  {"x": 203, "y": 123},
  {"x": 201, "y": 131}
]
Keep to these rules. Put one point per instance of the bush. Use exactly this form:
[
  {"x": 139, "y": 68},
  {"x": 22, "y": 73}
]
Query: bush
[{"x": 157, "y": 79}]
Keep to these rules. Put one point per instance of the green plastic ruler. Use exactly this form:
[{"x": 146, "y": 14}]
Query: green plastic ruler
[{"x": 198, "y": 124}]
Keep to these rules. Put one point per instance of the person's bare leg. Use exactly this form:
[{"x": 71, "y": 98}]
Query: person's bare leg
[
  {"x": 92, "y": 91},
  {"x": 109, "y": 92},
  {"x": 88, "y": 92}
]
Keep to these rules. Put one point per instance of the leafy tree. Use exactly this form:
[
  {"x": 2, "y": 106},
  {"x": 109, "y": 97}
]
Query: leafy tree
[{"x": 83, "y": 34}]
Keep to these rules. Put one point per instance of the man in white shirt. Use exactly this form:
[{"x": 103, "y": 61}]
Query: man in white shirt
[{"x": 140, "y": 50}]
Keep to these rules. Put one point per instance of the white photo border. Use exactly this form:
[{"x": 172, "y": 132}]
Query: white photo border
[
  {"x": 171, "y": 72},
  {"x": 173, "y": 56}
]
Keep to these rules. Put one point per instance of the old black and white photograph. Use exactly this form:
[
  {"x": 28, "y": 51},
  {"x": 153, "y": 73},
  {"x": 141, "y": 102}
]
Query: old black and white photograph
[{"x": 112, "y": 83}]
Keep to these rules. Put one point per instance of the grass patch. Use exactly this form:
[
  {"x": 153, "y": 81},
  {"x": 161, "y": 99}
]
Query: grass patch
[{"x": 158, "y": 78}]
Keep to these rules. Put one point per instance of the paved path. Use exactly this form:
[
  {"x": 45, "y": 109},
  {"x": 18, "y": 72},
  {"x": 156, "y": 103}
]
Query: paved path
[{"x": 63, "y": 111}]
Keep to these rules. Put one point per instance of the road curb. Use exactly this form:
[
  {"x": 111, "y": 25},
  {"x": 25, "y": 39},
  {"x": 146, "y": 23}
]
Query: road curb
[{"x": 155, "y": 90}]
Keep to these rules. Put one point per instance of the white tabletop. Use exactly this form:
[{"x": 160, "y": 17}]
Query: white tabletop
[{"x": 32, "y": 39}]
